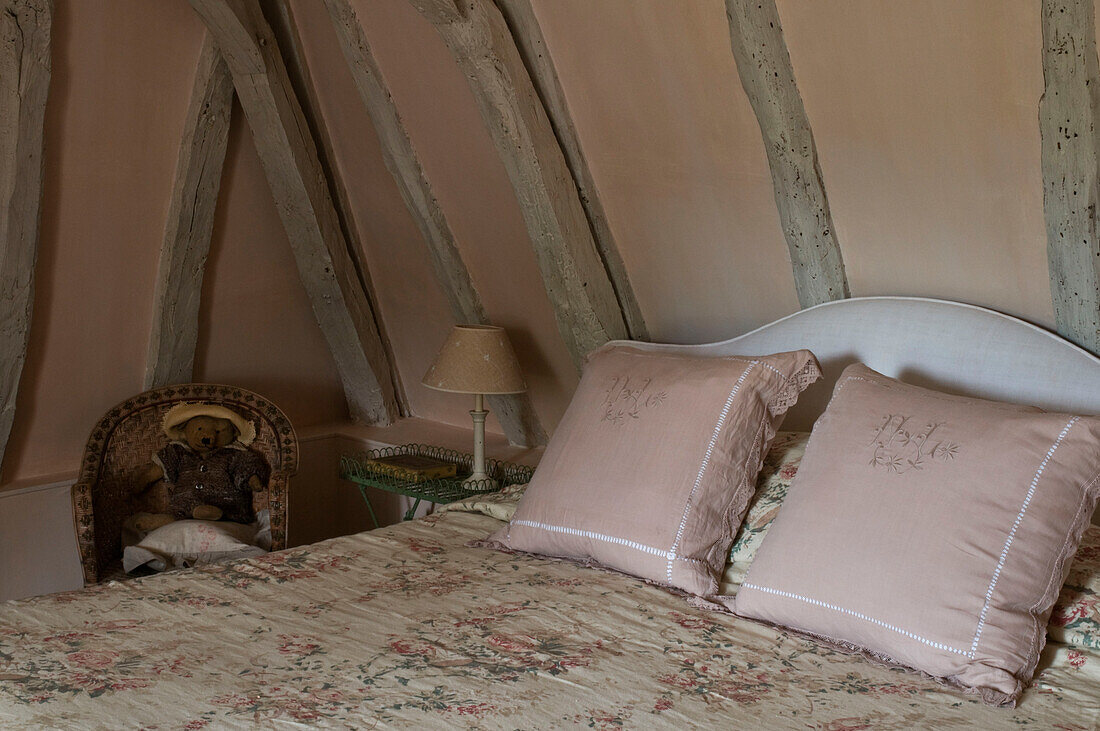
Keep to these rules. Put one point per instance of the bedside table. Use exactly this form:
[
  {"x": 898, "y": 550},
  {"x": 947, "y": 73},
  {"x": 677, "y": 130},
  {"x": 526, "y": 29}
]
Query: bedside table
[{"x": 357, "y": 470}]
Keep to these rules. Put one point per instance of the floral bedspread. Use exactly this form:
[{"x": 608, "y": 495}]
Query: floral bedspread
[{"x": 409, "y": 627}]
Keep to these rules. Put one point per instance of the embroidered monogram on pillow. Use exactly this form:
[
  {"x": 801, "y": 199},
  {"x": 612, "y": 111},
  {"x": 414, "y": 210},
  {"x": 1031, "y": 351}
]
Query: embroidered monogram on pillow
[
  {"x": 651, "y": 469},
  {"x": 930, "y": 530}
]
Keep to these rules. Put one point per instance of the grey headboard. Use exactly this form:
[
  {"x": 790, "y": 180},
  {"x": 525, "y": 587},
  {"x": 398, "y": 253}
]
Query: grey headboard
[{"x": 944, "y": 345}]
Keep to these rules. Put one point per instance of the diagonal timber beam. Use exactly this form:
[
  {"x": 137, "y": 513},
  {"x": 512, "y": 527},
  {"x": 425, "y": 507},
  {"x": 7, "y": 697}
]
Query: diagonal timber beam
[
  {"x": 440, "y": 11},
  {"x": 1069, "y": 129},
  {"x": 584, "y": 302},
  {"x": 527, "y": 34},
  {"x": 764, "y": 66},
  {"x": 290, "y": 161},
  {"x": 280, "y": 16},
  {"x": 190, "y": 222},
  {"x": 515, "y": 412},
  {"x": 25, "y": 30}
]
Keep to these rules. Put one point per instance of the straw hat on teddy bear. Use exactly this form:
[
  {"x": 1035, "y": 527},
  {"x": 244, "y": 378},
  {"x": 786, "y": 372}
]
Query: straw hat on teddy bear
[{"x": 180, "y": 414}]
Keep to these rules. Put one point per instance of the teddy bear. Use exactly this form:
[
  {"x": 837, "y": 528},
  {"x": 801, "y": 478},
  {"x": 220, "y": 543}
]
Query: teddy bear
[{"x": 207, "y": 471}]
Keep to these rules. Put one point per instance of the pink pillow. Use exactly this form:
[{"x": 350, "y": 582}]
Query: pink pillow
[
  {"x": 929, "y": 530},
  {"x": 652, "y": 467}
]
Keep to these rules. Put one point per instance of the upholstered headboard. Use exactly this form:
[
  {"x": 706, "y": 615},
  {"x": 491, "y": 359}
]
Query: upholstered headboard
[{"x": 948, "y": 346}]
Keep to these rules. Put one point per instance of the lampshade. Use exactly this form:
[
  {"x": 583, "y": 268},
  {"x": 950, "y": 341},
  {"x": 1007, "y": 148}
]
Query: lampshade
[{"x": 476, "y": 359}]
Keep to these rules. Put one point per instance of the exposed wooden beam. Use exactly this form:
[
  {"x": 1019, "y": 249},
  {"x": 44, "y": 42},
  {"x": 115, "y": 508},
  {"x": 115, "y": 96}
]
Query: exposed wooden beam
[
  {"x": 527, "y": 33},
  {"x": 25, "y": 27},
  {"x": 280, "y": 16},
  {"x": 1068, "y": 126},
  {"x": 440, "y": 11},
  {"x": 289, "y": 158},
  {"x": 764, "y": 66},
  {"x": 190, "y": 222},
  {"x": 584, "y": 302},
  {"x": 515, "y": 412}
]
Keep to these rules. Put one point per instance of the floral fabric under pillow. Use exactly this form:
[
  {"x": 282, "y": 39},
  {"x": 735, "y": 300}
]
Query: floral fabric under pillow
[
  {"x": 779, "y": 468},
  {"x": 500, "y": 505},
  {"x": 1076, "y": 616}
]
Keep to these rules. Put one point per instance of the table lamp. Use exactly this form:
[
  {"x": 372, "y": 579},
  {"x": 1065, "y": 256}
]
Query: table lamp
[{"x": 477, "y": 359}]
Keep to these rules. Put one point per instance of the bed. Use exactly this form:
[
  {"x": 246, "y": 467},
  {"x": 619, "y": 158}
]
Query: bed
[{"x": 409, "y": 626}]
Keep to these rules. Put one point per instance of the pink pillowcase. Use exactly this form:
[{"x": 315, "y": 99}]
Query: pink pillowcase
[
  {"x": 651, "y": 469},
  {"x": 930, "y": 530}
]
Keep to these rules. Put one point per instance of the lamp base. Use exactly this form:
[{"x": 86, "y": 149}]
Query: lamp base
[
  {"x": 481, "y": 483},
  {"x": 480, "y": 479}
]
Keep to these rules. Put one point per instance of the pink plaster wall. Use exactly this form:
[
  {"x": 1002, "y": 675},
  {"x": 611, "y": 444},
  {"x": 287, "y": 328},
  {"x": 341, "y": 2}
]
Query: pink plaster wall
[
  {"x": 256, "y": 326},
  {"x": 120, "y": 86},
  {"x": 926, "y": 120},
  {"x": 677, "y": 155},
  {"x": 924, "y": 114},
  {"x": 121, "y": 83},
  {"x": 473, "y": 190}
]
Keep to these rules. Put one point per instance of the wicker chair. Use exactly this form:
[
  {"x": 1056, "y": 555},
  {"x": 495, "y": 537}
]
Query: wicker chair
[{"x": 125, "y": 439}]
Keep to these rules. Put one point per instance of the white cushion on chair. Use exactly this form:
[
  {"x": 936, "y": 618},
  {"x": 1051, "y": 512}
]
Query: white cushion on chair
[{"x": 186, "y": 543}]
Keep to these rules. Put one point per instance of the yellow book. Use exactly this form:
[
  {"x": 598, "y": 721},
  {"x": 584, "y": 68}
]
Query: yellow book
[{"x": 413, "y": 467}]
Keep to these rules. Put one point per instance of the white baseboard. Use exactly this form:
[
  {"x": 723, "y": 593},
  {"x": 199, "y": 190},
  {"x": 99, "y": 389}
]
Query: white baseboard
[{"x": 14, "y": 491}]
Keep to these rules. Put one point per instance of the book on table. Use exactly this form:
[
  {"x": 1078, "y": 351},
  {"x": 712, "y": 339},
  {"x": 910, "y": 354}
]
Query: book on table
[{"x": 413, "y": 467}]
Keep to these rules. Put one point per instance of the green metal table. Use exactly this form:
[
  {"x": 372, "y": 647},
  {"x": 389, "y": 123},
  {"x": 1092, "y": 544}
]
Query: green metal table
[{"x": 356, "y": 469}]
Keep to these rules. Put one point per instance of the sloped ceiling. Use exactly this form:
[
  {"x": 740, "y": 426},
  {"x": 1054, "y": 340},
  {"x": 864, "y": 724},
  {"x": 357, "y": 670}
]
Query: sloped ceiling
[{"x": 924, "y": 116}]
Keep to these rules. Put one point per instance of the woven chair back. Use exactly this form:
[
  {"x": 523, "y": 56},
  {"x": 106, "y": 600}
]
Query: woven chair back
[{"x": 125, "y": 439}]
